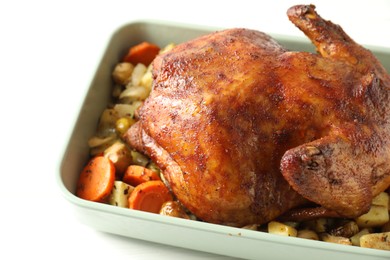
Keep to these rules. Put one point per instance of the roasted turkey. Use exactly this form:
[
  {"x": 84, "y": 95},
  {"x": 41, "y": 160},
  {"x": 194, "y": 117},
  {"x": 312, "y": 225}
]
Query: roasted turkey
[{"x": 245, "y": 130}]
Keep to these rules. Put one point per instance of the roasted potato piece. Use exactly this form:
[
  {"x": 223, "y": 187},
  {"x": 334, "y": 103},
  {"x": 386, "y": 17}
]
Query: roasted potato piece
[
  {"x": 376, "y": 217},
  {"x": 356, "y": 238},
  {"x": 336, "y": 239},
  {"x": 307, "y": 234},
  {"x": 107, "y": 122},
  {"x": 120, "y": 155},
  {"x": 173, "y": 209},
  {"x": 122, "y": 73},
  {"x": 278, "y": 228},
  {"x": 126, "y": 110},
  {"x": 376, "y": 240},
  {"x": 382, "y": 199}
]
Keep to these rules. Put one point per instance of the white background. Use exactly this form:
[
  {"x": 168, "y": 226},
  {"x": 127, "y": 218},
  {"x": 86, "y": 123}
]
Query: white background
[{"x": 48, "y": 53}]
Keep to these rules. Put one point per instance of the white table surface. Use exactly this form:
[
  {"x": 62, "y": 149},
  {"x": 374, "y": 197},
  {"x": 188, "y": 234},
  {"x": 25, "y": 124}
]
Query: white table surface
[{"x": 48, "y": 54}]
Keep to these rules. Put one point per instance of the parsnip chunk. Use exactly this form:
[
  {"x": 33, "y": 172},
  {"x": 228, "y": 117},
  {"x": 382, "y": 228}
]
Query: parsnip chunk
[{"x": 120, "y": 194}]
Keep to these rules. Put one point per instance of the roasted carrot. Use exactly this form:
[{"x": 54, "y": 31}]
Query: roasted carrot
[
  {"x": 143, "y": 53},
  {"x": 149, "y": 196},
  {"x": 135, "y": 175},
  {"x": 96, "y": 180}
]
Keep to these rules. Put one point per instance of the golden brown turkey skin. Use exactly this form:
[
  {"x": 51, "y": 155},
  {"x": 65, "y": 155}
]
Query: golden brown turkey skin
[{"x": 245, "y": 130}]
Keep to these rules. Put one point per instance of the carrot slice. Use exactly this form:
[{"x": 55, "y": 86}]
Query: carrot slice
[
  {"x": 144, "y": 53},
  {"x": 96, "y": 180},
  {"x": 135, "y": 175},
  {"x": 149, "y": 196}
]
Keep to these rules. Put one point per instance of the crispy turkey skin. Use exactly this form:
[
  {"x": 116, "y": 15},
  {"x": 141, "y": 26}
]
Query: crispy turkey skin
[{"x": 245, "y": 130}]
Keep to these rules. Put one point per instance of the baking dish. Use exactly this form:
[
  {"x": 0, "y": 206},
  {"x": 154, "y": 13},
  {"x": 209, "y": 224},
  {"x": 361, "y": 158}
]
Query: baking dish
[{"x": 189, "y": 234}]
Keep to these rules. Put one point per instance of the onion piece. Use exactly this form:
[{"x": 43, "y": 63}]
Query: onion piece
[
  {"x": 137, "y": 74},
  {"x": 96, "y": 141},
  {"x": 134, "y": 93}
]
